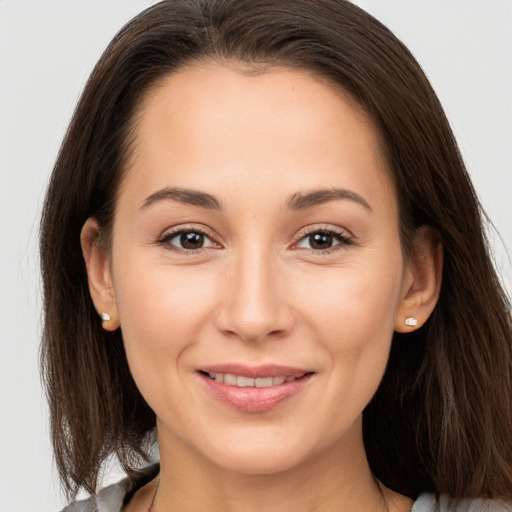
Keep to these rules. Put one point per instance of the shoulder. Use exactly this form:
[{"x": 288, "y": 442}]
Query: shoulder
[
  {"x": 109, "y": 499},
  {"x": 112, "y": 498},
  {"x": 431, "y": 503}
]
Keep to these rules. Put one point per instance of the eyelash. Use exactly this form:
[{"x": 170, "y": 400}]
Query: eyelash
[
  {"x": 341, "y": 236},
  {"x": 165, "y": 240}
]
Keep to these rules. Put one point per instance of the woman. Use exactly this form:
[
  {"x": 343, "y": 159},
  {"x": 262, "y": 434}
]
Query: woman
[{"x": 260, "y": 238}]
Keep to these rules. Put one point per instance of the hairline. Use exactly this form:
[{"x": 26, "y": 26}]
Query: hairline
[{"x": 248, "y": 69}]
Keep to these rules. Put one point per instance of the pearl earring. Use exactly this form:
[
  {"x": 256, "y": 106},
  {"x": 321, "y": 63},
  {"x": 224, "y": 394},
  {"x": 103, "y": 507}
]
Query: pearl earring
[
  {"x": 105, "y": 317},
  {"x": 411, "y": 321}
]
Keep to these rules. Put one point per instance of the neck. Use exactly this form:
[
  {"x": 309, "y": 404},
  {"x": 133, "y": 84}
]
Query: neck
[{"x": 339, "y": 479}]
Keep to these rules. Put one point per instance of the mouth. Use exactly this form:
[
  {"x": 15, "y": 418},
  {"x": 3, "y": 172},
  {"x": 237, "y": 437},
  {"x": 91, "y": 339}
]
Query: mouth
[
  {"x": 243, "y": 381},
  {"x": 254, "y": 389}
]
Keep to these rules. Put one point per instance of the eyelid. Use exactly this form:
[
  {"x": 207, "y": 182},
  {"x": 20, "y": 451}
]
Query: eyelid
[
  {"x": 345, "y": 237},
  {"x": 170, "y": 233}
]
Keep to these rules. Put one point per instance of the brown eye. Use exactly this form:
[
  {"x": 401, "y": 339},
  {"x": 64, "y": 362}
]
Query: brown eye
[
  {"x": 187, "y": 240},
  {"x": 320, "y": 241},
  {"x": 192, "y": 240},
  {"x": 323, "y": 240}
]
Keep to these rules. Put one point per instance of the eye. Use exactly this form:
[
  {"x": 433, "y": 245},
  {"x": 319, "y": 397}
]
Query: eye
[
  {"x": 323, "y": 240},
  {"x": 187, "y": 240}
]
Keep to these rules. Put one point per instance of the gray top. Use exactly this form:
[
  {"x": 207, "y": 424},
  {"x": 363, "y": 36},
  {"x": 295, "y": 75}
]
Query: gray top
[{"x": 111, "y": 499}]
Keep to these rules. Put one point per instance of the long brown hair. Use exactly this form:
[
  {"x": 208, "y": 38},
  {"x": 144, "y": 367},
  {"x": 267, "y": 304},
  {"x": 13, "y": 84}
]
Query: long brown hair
[{"x": 441, "y": 419}]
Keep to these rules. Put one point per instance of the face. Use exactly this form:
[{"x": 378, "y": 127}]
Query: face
[{"x": 256, "y": 265}]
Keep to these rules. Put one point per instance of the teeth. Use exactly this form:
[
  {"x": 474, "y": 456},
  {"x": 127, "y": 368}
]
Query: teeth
[
  {"x": 263, "y": 382},
  {"x": 229, "y": 379},
  {"x": 242, "y": 381}
]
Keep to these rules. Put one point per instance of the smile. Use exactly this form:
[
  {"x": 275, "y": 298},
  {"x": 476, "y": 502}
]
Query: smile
[
  {"x": 256, "y": 389},
  {"x": 242, "y": 381}
]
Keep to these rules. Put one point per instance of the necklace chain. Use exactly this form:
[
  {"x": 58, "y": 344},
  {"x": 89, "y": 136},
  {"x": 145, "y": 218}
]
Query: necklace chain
[
  {"x": 382, "y": 495},
  {"x": 150, "y": 509}
]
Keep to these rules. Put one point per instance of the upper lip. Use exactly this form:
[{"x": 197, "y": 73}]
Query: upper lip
[{"x": 261, "y": 371}]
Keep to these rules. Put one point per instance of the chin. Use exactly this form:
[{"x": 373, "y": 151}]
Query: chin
[
  {"x": 258, "y": 462},
  {"x": 255, "y": 452}
]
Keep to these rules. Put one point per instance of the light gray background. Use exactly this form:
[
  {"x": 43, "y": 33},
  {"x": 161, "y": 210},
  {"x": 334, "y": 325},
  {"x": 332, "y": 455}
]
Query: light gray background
[{"x": 47, "y": 49}]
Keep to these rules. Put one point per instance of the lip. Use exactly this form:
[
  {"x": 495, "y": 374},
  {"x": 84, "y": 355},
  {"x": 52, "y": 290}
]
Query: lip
[
  {"x": 255, "y": 399},
  {"x": 267, "y": 370}
]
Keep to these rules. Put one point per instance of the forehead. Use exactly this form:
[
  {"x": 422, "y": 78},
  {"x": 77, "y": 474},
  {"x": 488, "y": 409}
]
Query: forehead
[
  {"x": 209, "y": 91},
  {"x": 210, "y": 122}
]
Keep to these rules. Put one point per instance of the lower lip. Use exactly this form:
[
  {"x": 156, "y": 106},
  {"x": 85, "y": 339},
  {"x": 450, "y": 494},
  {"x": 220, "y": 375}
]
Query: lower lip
[{"x": 253, "y": 399}]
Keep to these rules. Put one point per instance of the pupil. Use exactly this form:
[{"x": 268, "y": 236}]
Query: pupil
[
  {"x": 192, "y": 240},
  {"x": 320, "y": 241}
]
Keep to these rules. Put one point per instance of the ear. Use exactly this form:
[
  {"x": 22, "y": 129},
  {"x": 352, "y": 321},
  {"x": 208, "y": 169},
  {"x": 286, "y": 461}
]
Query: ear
[
  {"x": 422, "y": 280},
  {"x": 97, "y": 263}
]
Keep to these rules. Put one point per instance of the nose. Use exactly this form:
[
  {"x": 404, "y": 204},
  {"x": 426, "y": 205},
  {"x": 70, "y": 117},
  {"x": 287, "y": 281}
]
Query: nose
[{"x": 256, "y": 304}]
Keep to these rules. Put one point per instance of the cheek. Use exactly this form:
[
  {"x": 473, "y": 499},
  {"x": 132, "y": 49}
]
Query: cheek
[
  {"x": 162, "y": 311},
  {"x": 149, "y": 295},
  {"x": 351, "y": 300},
  {"x": 352, "y": 311}
]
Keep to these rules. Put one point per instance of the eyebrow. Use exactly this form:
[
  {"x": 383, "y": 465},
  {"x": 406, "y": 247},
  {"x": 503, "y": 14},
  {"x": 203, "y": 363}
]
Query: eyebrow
[
  {"x": 185, "y": 196},
  {"x": 298, "y": 201},
  {"x": 302, "y": 201}
]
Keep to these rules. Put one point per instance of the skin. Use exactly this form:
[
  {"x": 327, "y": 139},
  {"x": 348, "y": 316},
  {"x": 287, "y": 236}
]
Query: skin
[{"x": 258, "y": 291}]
